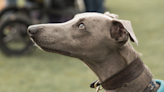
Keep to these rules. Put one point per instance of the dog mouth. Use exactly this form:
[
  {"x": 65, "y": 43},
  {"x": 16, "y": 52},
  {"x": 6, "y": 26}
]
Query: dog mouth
[
  {"x": 56, "y": 51},
  {"x": 51, "y": 50}
]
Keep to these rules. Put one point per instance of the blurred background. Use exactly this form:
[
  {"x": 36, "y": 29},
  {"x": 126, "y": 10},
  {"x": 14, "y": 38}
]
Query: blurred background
[{"x": 24, "y": 68}]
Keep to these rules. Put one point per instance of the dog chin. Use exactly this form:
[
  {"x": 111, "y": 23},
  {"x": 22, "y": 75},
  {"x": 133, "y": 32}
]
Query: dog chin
[
  {"x": 56, "y": 51},
  {"x": 51, "y": 50}
]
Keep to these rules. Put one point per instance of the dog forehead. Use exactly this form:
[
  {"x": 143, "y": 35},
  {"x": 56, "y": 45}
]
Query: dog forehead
[{"x": 92, "y": 15}]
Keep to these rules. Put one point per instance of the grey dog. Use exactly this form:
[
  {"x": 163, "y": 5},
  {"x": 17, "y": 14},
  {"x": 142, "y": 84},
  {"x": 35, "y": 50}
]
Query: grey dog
[{"x": 100, "y": 41}]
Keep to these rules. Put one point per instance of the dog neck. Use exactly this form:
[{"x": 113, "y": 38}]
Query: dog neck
[{"x": 117, "y": 61}]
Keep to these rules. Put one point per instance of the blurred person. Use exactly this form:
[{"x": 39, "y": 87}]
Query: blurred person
[{"x": 94, "y": 6}]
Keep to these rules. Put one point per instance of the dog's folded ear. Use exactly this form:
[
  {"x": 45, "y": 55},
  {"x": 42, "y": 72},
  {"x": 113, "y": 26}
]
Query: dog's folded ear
[
  {"x": 121, "y": 29},
  {"x": 114, "y": 16}
]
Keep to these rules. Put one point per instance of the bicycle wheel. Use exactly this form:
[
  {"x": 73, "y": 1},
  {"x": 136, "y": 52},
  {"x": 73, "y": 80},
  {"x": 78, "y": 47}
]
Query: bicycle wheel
[
  {"x": 12, "y": 10},
  {"x": 13, "y": 37}
]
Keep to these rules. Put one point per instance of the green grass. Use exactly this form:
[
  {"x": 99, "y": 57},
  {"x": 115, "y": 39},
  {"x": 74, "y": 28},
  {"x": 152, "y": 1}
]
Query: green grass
[
  {"x": 43, "y": 72},
  {"x": 47, "y": 72}
]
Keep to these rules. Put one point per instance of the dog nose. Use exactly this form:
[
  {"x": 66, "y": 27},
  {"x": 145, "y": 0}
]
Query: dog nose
[{"x": 32, "y": 30}]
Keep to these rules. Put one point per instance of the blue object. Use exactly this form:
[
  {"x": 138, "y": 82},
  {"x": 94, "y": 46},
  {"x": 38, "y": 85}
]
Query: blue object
[{"x": 161, "y": 83}]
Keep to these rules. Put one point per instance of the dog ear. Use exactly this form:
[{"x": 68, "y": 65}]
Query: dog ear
[
  {"x": 121, "y": 29},
  {"x": 114, "y": 16}
]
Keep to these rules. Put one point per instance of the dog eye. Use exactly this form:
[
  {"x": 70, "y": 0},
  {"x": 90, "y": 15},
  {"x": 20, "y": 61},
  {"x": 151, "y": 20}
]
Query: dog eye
[{"x": 81, "y": 26}]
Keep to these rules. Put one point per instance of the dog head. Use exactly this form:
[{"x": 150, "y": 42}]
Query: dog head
[{"x": 87, "y": 36}]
